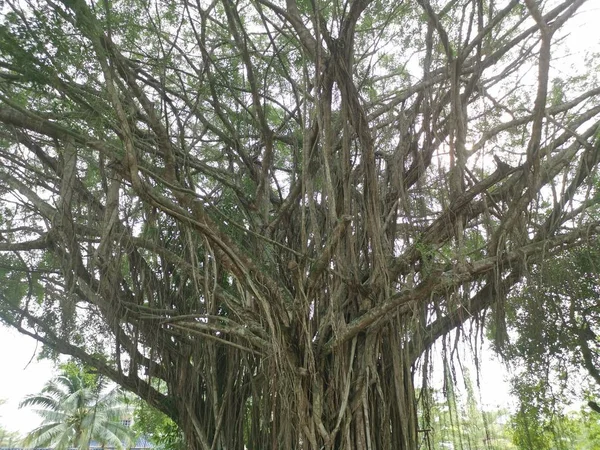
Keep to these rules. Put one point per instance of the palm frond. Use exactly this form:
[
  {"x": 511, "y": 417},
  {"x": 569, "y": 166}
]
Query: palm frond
[
  {"x": 44, "y": 435},
  {"x": 39, "y": 400}
]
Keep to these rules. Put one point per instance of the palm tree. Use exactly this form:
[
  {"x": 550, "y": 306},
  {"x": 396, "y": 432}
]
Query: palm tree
[{"x": 77, "y": 411}]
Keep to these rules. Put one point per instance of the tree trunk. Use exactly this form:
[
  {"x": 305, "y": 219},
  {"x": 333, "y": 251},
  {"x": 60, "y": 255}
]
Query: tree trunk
[{"x": 360, "y": 396}]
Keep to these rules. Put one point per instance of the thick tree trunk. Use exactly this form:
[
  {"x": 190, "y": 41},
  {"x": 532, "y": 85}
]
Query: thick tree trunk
[{"x": 360, "y": 396}]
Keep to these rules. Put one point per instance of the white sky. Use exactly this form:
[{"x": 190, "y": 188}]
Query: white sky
[
  {"x": 19, "y": 377},
  {"x": 21, "y": 373}
]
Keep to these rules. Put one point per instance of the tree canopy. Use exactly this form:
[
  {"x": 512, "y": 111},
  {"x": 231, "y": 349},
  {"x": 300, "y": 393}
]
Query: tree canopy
[
  {"x": 275, "y": 208},
  {"x": 553, "y": 317}
]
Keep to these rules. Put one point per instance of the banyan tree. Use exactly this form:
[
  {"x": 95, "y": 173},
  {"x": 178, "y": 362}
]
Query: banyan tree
[{"x": 260, "y": 215}]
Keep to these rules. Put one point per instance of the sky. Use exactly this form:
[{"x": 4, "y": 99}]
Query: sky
[{"x": 22, "y": 374}]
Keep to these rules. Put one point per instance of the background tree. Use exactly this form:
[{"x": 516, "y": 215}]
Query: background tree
[
  {"x": 457, "y": 421},
  {"x": 276, "y": 208},
  {"x": 553, "y": 317},
  {"x": 156, "y": 426},
  {"x": 76, "y": 410},
  {"x": 586, "y": 428},
  {"x": 532, "y": 428},
  {"x": 8, "y": 438}
]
